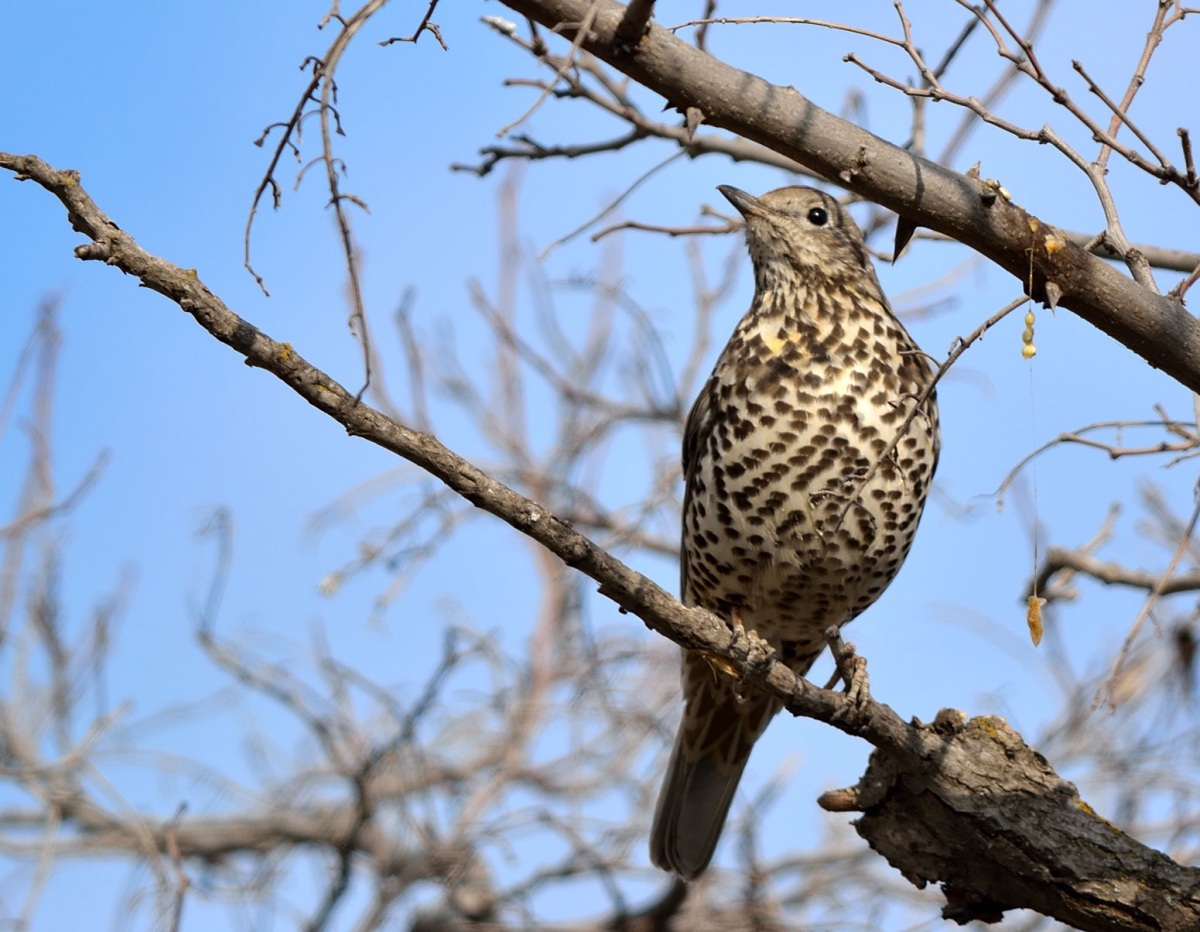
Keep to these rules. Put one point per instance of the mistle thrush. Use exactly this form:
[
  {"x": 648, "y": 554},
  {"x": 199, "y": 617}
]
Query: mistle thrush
[{"x": 781, "y": 534}]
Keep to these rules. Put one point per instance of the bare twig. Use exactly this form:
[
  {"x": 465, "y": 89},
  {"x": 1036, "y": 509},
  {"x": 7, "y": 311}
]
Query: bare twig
[
  {"x": 581, "y": 31},
  {"x": 1156, "y": 593},
  {"x": 1178, "y": 292},
  {"x": 529, "y": 150},
  {"x": 694, "y": 230},
  {"x": 1188, "y": 444},
  {"x": 784, "y": 21},
  {"x": 1137, "y": 79},
  {"x": 710, "y": 8},
  {"x": 612, "y": 204},
  {"x": 424, "y": 26},
  {"x": 1120, "y": 111},
  {"x": 1027, "y": 62},
  {"x": 321, "y": 90}
]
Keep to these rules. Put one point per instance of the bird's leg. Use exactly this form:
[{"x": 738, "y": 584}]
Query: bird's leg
[{"x": 851, "y": 669}]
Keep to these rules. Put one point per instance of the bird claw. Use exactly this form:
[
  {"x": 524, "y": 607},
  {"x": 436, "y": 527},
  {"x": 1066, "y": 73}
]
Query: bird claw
[
  {"x": 858, "y": 689},
  {"x": 851, "y": 670},
  {"x": 758, "y": 656}
]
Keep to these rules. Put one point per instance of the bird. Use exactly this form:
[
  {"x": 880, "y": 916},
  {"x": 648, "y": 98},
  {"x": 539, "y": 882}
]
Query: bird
[{"x": 807, "y": 459}]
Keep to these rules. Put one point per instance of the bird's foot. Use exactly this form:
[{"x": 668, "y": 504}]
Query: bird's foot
[
  {"x": 851, "y": 670},
  {"x": 758, "y": 656}
]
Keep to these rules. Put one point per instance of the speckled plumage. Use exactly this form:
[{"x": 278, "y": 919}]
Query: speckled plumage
[{"x": 780, "y": 534}]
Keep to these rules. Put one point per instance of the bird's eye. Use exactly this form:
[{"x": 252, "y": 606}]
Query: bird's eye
[{"x": 818, "y": 216}]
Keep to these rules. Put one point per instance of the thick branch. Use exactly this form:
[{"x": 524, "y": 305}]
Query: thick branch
[
  {"x": 1019, "y": 835},
  {"x": 925, "y": 193},
  {"x": 982, "y": 813}
]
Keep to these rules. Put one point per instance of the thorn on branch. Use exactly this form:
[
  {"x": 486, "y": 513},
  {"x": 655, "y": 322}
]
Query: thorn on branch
[
  {"x": 905, "y": 229},
  {"x": 1053, "y": 294}
]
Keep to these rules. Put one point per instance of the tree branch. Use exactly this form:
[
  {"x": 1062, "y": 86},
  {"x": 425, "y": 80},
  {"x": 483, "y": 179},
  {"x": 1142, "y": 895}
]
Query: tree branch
[{"x": 925, "y": 193}]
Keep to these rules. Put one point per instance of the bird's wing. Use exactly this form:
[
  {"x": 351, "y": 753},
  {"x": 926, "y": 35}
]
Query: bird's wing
[{"x": 698, "y": 421}]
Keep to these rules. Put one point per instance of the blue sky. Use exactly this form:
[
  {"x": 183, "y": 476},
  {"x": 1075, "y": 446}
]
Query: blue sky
[{"x": 157, "y": 105}]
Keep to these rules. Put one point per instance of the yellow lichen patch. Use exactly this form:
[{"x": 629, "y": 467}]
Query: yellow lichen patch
[
  {"x": 986, "y": 725},
  {"x": 1095, "y": 815},
  {"x": 285, "y": 351}
]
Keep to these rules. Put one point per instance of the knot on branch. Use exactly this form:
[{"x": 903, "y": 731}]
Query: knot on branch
[
  {"x": 100, "y": 250},
  {"x": 986, "y": 816}
]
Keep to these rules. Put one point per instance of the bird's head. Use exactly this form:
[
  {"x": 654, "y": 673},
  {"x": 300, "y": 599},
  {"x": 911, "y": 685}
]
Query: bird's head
[{"x": 803, "y": 232}]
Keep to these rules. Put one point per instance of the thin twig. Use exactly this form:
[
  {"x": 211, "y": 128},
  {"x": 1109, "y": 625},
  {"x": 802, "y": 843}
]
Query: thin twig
[
  {"x": 424, "y": 26},
  {"x": 1155, "y": 594},
  {"x": 322, "y": 80},
  {"x": 1136, "y": 80},
  {"x": 1190, "y": 442},
  {"x": 613, "y": 204},
  {"x": 1120, "y": 117},
  {"x": 694, "y": 230},
  {"x": 567, "y": 61},
  {"x": 785, "y": 21}
]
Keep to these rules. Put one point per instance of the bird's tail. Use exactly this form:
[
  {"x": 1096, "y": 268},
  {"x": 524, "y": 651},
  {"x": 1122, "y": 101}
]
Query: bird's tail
[{"x": 712, "y": 746}]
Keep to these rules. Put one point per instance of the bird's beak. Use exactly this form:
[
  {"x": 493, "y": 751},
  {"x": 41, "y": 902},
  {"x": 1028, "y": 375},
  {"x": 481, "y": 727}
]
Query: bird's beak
[{"x": 747, "y": 204}]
